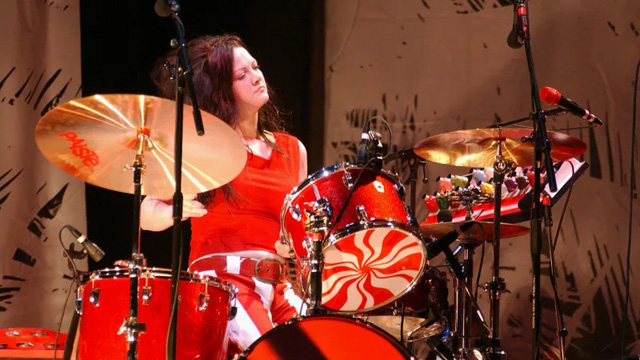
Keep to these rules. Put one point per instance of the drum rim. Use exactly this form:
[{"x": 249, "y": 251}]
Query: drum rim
[
  {"x": 312, "y": 179},
  {"x": 300, "y": 318},
  {"x": 379, "y": 224},
  {"x": 160, "y": 273},
  {"x": 372, "y": 224}
]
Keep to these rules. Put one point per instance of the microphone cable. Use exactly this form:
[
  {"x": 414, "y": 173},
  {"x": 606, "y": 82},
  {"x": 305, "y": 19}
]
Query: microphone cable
[{"x": 625, "y": 311}]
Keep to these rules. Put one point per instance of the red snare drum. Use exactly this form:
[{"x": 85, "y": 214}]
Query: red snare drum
[
  {"x": 326, "y": 337},
  {"x": 426, "y": 310},
  {"x": 373, "y": 256},
  {"x": 203, "y": 314}
]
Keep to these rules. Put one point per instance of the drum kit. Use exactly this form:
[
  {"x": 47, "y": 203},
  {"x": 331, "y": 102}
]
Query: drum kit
[{"x": 363, "y": 258}]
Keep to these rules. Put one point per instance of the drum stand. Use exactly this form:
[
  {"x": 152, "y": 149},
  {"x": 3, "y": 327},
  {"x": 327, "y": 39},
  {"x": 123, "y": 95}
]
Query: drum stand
[
  {"x": 464, "y": 303},
  {"x": 317, "y": 225},
  {"x": 130, "y": 326},
  {"x": 497, "y": 285}
]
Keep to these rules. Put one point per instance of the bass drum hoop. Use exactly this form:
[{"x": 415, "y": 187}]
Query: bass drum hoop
[
  {"x": 336, "y": 317},
  {"x": 386, "y": 224}
]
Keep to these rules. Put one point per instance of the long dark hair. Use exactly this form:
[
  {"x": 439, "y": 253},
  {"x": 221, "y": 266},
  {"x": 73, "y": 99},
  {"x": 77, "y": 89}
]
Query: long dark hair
[{"x": 211, "y": 60}]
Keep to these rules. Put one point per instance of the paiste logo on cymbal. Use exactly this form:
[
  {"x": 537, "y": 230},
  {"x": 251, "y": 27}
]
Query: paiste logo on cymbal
[{"x": 80, "y": 149}]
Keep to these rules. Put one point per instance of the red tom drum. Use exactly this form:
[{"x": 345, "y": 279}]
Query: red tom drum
[
  {"x": 374, "y": 256},
  {"x": 203, "y": 314}
]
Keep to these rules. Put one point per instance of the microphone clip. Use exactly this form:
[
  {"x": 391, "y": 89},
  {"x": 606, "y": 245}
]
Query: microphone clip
[{"x": 378, "y": 150}]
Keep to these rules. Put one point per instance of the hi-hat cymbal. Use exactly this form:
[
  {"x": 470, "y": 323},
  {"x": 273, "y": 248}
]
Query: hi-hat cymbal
[
  {"x": 96, "y": 137},
  {"x": 478, "y": 148},
  {"x": 480, "y": 231}
]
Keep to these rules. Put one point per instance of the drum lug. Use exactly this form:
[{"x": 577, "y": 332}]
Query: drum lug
[
  {"x": 295, "y": 212},
  {"x": 400, "y": 189},
  {"x": 347, "y": 180},
  {"x": 79, "y": 301},
  {"x": 94, "y": 296},
  {"x": 203, "y": 301},
  {"x": 304, "y": 261},
  {"x": 362, "y": 215},
  {"x": 146, "y": 295},
  {"x": 307, "y": 243}
]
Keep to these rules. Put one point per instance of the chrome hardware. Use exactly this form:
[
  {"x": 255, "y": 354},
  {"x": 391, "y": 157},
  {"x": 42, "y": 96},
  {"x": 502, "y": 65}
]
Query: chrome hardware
[
  {"x": 94, "y": 296},
  {"x": 347, "y": 180},
  {"x": 361, "y": 213},
  {"x": 400, "y": 189},
  {"x": 307, "y": 244},
  {"x": 316, "y": 192},
  {"x": 319, "y": 218},
  {"x": 295, "y": 212},
  {"x": 203, "y": 301},
  {"x": 304, "y": 261},
  {"x": 146, "y": 295},
  {"x": 131, "y": 328},
  {"x": 78, "y": 301}
]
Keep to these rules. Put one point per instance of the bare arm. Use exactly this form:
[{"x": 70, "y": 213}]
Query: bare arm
[
  {"x": 303, "y": 162},
  {"x": 157, "y": 215}
]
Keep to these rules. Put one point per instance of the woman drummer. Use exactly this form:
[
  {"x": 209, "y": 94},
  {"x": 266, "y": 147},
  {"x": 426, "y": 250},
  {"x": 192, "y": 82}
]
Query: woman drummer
[{"x": 234, "y": 227}]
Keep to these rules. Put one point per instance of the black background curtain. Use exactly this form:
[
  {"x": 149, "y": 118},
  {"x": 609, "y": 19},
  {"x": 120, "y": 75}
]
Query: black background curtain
[{"x": 121, "y": 41}]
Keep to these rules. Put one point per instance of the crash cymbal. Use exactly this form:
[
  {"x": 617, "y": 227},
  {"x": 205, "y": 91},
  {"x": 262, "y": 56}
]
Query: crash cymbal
[
  {"x": 480, "y": 231},
  {"x": 96, "y": 137},
  {"x": 477, "y": 148}
]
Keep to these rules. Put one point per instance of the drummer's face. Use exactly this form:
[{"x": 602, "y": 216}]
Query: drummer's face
[{"x": 249, "y": 86}]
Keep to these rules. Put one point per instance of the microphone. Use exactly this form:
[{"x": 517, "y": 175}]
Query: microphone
[
  {"x": 162, "y": 8},
  {"x": 515, "y": 40},
  {"x": 438, "y": 246},
  {"x": 552, "y": 96},
  {"x": 92, "y": 249},
  {"x": 361, "y": 157}
]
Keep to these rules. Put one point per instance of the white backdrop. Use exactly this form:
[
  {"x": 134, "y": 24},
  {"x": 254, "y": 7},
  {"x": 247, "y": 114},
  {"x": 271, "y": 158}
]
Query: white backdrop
[
  {"x": 431, "y": 67},
  {"x": 39, "y": 68}
]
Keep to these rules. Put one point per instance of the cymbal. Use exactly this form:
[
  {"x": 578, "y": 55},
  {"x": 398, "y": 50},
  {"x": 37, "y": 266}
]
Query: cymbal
[
  {"x": 478, "y": 147},
  {"x": 480, "y": 231},
  {"x": 94, "y": 138}
]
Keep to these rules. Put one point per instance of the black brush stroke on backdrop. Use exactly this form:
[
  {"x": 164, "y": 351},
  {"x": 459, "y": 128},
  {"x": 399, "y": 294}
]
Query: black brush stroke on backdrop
[
  {"x": 4, "y": 185},
  {"x": 4, "y": 79}
]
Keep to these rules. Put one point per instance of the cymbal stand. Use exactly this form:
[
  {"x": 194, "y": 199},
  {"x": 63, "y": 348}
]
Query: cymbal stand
[
  {"x": 497, "y": 284},
  {"x": 184, "y": 81},
  {"x": 462, "y": 313},
  {"x": 464, "y": 301},
  {"x": 316, "y": 225},
  {"x": 131, "y": 327}
]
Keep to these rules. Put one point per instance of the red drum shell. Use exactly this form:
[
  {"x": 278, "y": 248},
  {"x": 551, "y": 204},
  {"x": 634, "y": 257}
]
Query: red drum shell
[
  {"x": 201, "y": 331},
  {"x": 373, "y": 256},
  {"x": 326, "y": 337}
]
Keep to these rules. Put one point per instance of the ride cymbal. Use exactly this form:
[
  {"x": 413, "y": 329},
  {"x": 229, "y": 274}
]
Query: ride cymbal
[
  {"x": 480, "y": 231},
  {"x": 478, "y": 147},
  {"x": 96, "y": 137}
]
